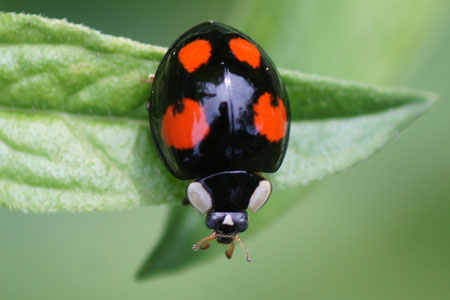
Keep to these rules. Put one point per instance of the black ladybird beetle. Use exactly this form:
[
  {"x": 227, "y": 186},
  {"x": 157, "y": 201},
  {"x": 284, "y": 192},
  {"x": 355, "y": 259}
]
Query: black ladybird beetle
[{"x": 219, "y": 115}]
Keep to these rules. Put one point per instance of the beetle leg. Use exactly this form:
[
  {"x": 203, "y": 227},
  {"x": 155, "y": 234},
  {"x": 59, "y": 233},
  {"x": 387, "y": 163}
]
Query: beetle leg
[
  {"x": 229, "y": 251},
  {"x": 205, "y": 245},
  {"x": 204, "y": 242},
  {"x": 186, "y": 201}
]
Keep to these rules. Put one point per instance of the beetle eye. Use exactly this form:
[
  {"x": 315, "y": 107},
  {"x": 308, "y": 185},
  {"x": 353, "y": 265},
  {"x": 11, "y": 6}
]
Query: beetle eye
[
  {"x": 211, "y": 221},
  {"x": 260, "y": 195},
  {"x": 242, "y": 224},
  {"x": 199, "y": 197}
]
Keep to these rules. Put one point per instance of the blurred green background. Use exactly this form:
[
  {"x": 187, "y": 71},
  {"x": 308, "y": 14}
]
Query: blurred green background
[{"x": 378, "y": 231}]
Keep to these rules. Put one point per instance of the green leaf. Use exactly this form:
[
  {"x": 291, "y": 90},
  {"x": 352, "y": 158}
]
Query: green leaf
[
  {"x": 339, "y": 123},
  {"x": 54, "y": 66},
  {"x": 73, "y": 128},
  {"x": 74, "y": 132}
]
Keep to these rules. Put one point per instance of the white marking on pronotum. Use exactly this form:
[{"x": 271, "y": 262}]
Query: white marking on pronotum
[
  {"x": 199, "y": 197},
  {"x": 228, "y": 220},
  {"x": 260, "y": 195}
]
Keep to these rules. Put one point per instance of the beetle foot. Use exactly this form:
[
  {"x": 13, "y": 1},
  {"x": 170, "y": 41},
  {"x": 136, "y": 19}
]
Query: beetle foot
[
  {"x": 150, "y": 79},
  {"x": 229, "y": 251},
  {"x": 204, "y": 242}
]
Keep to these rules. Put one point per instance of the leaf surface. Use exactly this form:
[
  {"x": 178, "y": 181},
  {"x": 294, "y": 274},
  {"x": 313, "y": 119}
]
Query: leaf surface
[{"x": 74, "y": 132}]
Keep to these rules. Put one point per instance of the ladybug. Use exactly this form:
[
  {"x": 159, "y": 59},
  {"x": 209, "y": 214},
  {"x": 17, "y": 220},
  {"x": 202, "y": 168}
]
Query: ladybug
[{"x": 219, "y": 115}]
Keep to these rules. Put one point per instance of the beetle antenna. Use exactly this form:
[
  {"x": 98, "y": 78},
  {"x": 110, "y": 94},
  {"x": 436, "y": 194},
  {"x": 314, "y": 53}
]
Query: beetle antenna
[
  {"x": 237, "y": 238},
  {"x": 204, "y": 242}
]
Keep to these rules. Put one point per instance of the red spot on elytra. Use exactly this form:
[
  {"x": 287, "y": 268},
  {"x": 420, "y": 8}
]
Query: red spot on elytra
[
  {"x": 184, "y": 130},
  {"x": 270, "y": 120},
  {"x": 195, "y": 54},
  {"x": 245, "y": 51}
]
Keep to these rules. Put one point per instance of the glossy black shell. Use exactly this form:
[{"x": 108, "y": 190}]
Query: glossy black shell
[{"x": 227, "y": 88}]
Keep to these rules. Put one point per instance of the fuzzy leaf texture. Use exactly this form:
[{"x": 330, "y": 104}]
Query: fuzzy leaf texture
[{"x": 74, "y": 133}]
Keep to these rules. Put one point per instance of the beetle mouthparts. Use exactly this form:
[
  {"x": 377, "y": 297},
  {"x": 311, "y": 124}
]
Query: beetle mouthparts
[{"x": 203, "y": 244}]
